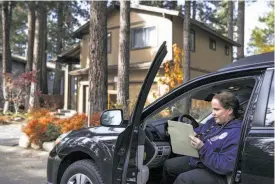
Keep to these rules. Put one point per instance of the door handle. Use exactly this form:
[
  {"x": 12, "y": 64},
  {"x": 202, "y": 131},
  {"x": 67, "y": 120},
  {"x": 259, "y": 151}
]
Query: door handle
[{"x": 238, "y": 176}]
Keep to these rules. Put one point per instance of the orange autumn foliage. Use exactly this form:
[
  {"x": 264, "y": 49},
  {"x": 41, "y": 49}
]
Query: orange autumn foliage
[
  {"x": 73, "y": 123},
  {"x": 173, "y": 72},
  {"x": 36, "y": 129},
  {"x": 37, "y": 113},
  {"x": 45, "y": 127}
]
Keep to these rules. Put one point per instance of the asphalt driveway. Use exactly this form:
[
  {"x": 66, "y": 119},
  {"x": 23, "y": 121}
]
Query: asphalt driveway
[
  {"x": 21, "y": 166},
  {"x": 18, "y": 165}
]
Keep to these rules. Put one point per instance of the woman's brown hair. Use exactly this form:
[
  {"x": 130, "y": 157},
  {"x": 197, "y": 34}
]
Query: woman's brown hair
[{"x": 229, "y": 101}]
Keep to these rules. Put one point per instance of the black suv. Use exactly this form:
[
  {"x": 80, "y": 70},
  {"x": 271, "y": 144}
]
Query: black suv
[{"x": 134, "y": 150}]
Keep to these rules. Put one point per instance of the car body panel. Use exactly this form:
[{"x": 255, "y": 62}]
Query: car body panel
[
  {"x": 257, "y": 163},
  {"x": 97, "y": 142}
]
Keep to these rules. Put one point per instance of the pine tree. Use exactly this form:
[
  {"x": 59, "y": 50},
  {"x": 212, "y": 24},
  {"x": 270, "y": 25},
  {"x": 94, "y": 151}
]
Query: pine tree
[
  {"x": 215, "y": 15},
  {"x": 230, "y": 26},
  {"x": 36, "y": 66},
  {"x": 154, "y": 3},
  {"x": 98, "y": 58},
  {"x": 31, "y": 29},
  {"x": 18, "y": 36},
  {"x": 59, "y": 46},
  {"x": 240, "y": 31},
  {"x": 6, "y": 50},
  {"x": 124, "y": 56},
  {"x": 186, "y": 50},
  {"x": 44, "y": 73},
  {"x": 194, "y": 9},
  {"x": 186, "y": 31}
]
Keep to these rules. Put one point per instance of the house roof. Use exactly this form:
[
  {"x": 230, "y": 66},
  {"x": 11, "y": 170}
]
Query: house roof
[
  {"x": 70, "y": 55},
  {"x": 133, "y": 66},
  {"x": 17, "y": 58},
  {"x": 84, "y": 29},
  {"x": 23, "y": 60}
]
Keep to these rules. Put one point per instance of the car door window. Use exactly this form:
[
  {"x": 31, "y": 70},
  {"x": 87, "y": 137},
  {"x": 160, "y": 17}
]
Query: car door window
[
  {"x": 197, "y": 102},
  {"x": 197, "y": 108},
  {"x": 270, "y": 114}
]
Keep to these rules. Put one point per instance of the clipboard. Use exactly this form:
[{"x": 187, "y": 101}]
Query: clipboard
[{"x": 179, "y": 135}]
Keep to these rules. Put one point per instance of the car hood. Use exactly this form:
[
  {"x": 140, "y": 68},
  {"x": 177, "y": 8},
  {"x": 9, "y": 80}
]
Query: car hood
[{"x": 102, "y": 130}]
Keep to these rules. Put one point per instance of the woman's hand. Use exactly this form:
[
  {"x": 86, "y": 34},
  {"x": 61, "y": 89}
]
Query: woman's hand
[{"x": 196, "y": 143}]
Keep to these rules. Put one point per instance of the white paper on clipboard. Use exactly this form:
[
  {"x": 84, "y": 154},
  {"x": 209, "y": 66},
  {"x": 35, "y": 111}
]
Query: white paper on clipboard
[{"x": 179, "y": 135}]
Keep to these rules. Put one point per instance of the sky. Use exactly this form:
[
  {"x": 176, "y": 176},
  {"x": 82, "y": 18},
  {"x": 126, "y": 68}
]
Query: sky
[{"x": 252, "y": 13}]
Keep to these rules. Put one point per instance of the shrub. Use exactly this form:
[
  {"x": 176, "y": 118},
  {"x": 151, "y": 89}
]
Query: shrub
[
  {"x": 73, "y": 123},
  {"x": 41, "y": 129},
  {"x": 37, "y": 113},
  {"x": 44, "y": 127},
  {"x": 53, "y": 131}
]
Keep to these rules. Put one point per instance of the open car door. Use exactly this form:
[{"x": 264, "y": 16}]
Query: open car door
[{"x": 124, "y": 163}]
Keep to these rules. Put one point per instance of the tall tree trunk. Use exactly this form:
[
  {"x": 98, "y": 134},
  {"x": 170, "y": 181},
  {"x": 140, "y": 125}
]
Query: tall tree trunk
[
  {"x": 31, "y": 29},
  {"x": 230, "y": 19},
  {"x": 186, "y": 41},
  {"x": 98, "y": 58},
  {"x": 57, "y": 72},
  {"x": 124, "y": 57},
  {"x": 35, "y": 86},
  {"x": 194, "y": 9},
  {"x": 44, "y": 77},
  {"x": 6, "y": 50},
  {"x": 186, "y": 50},
  {"x": 240, "y": 31}
]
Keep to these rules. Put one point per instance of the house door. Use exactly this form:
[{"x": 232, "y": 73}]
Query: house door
[
  {"x": 85, "y": 99},
  {"x": 112, "y": 96}
]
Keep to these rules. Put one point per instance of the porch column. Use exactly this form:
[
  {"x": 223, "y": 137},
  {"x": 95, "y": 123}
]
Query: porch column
[{"x": 67, "y": 87}]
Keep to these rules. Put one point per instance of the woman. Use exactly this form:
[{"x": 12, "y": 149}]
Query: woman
[{"x": 217, "y": 143}]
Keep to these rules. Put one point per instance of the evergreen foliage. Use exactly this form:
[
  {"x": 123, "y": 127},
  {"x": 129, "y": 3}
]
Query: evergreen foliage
[{"x": 262, "y": 39}]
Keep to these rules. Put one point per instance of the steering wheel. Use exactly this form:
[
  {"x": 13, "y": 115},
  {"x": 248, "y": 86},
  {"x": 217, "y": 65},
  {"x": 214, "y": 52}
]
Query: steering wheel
[{"x": 194, "y": 123}]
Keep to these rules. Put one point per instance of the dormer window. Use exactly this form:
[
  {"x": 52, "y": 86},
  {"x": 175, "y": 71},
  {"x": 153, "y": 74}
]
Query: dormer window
[
  {"x": 109, "y": 42},
  {"x": 226, "y": 50},
  {"x": 192, "y": 40},
  {"x": 212, "y": 44}
]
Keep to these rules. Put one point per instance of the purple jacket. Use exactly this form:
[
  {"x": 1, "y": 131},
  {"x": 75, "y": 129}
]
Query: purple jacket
[{"x": 220, "y": 147}]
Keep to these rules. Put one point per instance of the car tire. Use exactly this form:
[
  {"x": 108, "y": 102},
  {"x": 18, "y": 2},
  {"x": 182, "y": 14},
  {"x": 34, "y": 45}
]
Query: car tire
[{"x": 83, "y": 168}]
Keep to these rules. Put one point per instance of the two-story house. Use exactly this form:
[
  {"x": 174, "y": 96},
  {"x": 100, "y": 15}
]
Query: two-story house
[{"x": 150, "y": 26}]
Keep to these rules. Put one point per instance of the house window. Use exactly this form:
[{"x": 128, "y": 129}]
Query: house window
[
  {"x": 144, "y": 37},
  {"x": 226, "y": 50},
  {"x": 109, "y": 42},
  {"x": 192, "y": 40},
  {"x": 212, "y": 44}
]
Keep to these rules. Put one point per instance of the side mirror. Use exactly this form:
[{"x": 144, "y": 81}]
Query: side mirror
[{"x": 112, "y": 117}]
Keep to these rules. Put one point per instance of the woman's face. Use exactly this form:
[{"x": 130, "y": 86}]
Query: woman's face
[{"x": 220, "y": 114}]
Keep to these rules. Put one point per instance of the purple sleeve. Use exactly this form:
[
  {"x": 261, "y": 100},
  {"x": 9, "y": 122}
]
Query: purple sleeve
[
  {"x": 223, "y": 160},
  {"x": 198, "y": 129},
  {"x": 204, "y": 126}
]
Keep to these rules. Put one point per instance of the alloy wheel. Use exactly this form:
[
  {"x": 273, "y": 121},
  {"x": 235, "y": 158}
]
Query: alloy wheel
[{"x": 79, "y": 179}]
